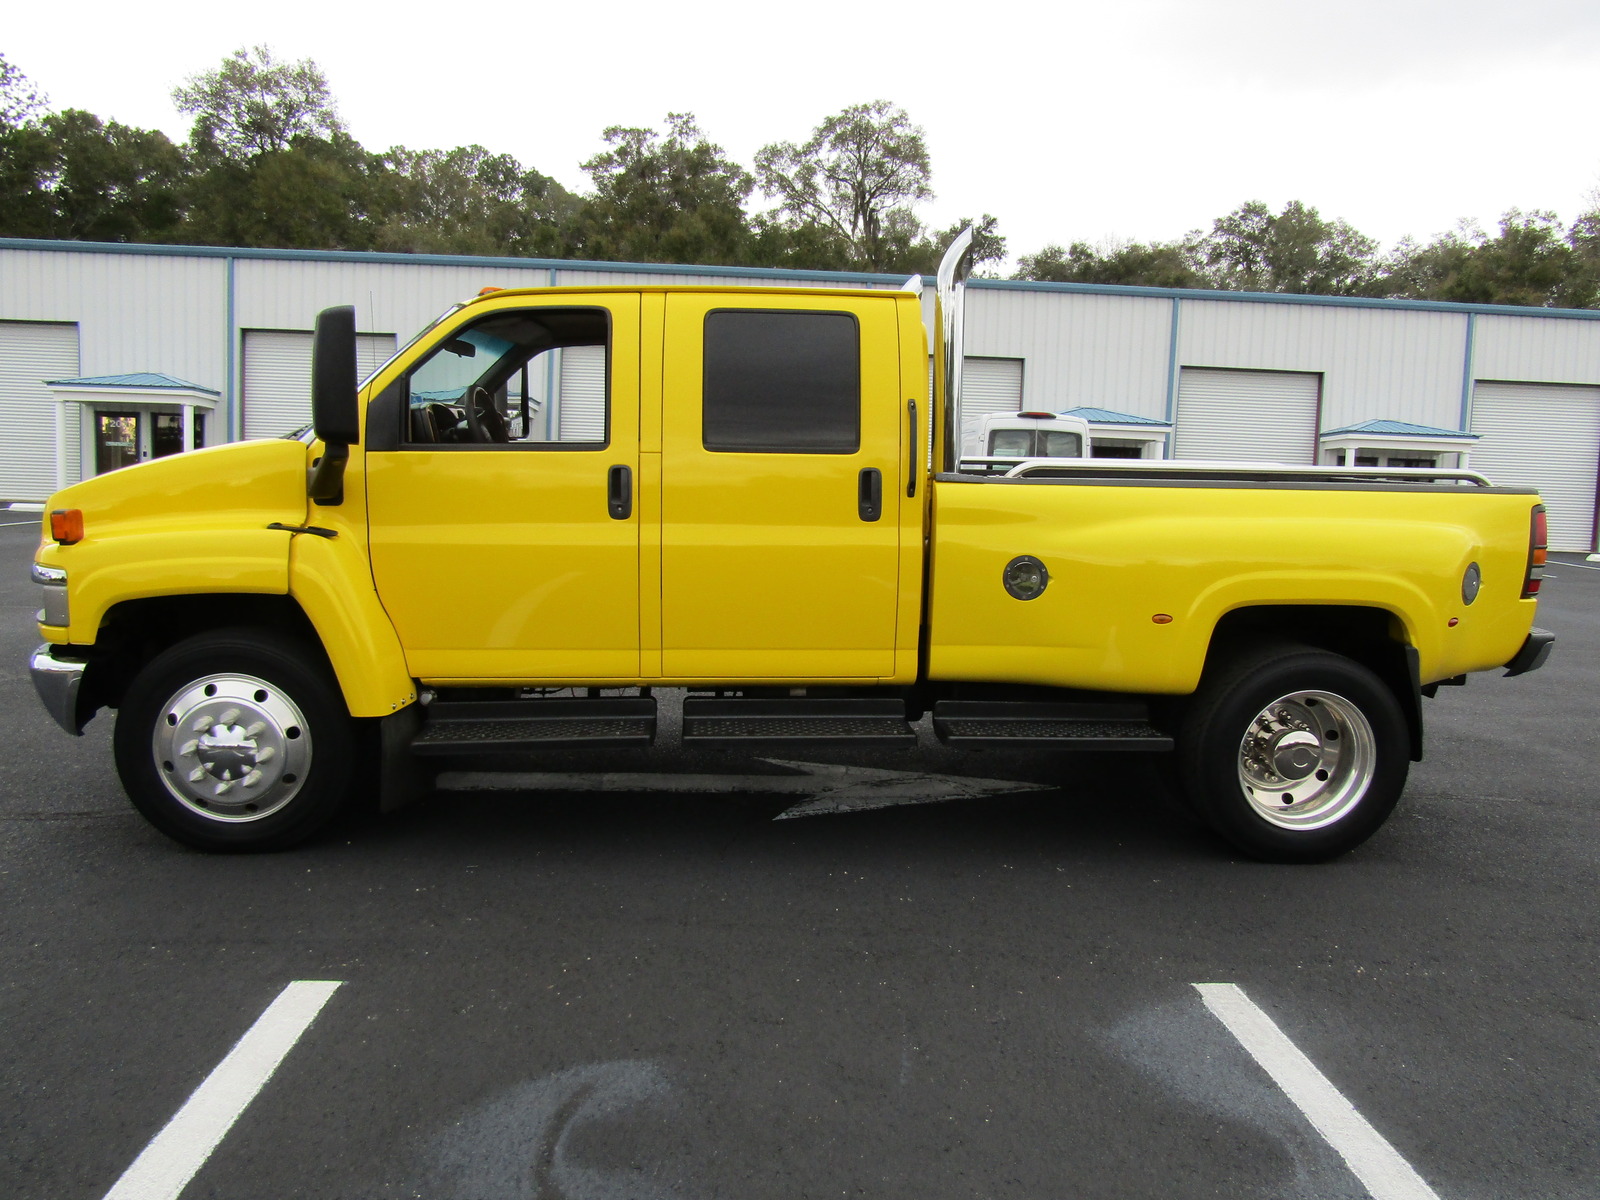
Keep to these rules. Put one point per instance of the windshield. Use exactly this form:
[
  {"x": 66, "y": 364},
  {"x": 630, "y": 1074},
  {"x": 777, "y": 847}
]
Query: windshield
[{"x": 460, "y": 362}]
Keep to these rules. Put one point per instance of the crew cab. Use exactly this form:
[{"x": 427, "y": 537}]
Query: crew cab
[{"x": 742, "y": 492}]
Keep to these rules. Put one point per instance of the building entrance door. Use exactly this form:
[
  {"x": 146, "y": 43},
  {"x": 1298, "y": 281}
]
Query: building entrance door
[
  {"x": 123, "y": 437},
  {"x": 116, "y": 440}
]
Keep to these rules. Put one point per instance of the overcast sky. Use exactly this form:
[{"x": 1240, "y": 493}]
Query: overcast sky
[{"x": 1069, "y": 121}]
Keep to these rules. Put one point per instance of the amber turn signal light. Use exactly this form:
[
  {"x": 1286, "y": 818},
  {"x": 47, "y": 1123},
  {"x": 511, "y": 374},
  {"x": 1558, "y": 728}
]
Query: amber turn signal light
[{"x": 66, "y": 525}]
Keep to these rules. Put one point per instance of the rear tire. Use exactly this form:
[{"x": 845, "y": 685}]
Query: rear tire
[
  {"x": 236, "y": 740},
  {"x": 1294, "y": 754}
]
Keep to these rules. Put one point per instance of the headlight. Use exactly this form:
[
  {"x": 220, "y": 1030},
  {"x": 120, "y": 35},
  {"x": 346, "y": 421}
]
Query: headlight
[{"x": 52, "y": 582}]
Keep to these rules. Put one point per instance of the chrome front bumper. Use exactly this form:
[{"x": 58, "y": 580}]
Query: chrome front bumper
[{"x": 57, "y": 681}]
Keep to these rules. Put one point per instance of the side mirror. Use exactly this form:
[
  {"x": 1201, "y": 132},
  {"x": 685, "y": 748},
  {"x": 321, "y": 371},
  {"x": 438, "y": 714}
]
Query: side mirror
[{"x": 335, "y": 416}]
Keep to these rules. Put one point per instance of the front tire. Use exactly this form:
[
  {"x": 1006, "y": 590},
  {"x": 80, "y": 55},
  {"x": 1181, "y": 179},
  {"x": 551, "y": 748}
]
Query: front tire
[
  {"x": 236, "y": 740},
  {"x": 1294, "y": 754}
]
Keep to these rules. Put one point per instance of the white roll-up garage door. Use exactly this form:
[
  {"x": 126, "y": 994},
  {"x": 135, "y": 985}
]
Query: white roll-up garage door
[
  {"x": 1543, "y": 435},
  {"x": 30, "y": 354},
  {"x": 277, "y": 377},
  {"x": 1247, "y": 416},
  {"x": 582, "y": 399},
  {"x": 988, "y": 386}
]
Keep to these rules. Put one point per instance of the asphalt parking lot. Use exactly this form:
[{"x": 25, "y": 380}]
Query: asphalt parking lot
[{"x": 605, "y": 994}]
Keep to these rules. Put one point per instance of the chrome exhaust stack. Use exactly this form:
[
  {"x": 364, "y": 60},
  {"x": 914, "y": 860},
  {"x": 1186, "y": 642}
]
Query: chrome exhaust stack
[{"x": 953, "y": 271}]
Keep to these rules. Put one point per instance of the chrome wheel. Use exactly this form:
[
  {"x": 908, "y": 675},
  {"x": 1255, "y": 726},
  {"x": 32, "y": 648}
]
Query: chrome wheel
[
  {"x": 232, "y": 748},
  {"x": 1307, "y": 759}
]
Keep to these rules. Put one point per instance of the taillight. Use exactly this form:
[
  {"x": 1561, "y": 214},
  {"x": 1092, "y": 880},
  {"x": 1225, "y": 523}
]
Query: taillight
[
  {"x": 1538, "y": 551},
  {"x": 66, "y": 525}
]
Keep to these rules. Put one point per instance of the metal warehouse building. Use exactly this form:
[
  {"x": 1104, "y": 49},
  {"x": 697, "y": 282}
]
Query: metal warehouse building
[{"x": 110, "y": 354}]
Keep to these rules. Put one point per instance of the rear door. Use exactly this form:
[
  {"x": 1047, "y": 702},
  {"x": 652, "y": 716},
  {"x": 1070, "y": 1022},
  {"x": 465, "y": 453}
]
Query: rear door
[{"x": 781, "y": 426}]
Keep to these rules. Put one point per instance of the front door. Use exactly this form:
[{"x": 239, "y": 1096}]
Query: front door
[
  {"x": 773, "y": 564},
  {"x": 504, "y": 527}
]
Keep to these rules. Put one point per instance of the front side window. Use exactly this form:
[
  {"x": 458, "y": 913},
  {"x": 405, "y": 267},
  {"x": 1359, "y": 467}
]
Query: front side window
[
  {"x": 529, "y": 377},
  {"x": 782, "y": 382}
]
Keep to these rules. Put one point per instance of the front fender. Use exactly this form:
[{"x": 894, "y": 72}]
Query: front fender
[{"x": 332, "y": 582}]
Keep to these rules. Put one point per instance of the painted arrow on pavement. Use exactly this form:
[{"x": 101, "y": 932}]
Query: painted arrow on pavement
[{"x": 826, "y": 787}]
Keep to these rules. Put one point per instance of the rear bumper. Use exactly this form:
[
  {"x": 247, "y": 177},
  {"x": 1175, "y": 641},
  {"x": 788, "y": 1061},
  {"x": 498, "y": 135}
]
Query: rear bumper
[
  {"x": 1535, "y": 649},
  {"x": 57, "y": 680}
]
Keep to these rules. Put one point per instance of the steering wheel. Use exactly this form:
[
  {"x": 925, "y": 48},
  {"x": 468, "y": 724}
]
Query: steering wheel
[{"x": 484, "y": 424}]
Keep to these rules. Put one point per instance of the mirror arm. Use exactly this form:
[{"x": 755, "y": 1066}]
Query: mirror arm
[{"x": 325, "y": 479}]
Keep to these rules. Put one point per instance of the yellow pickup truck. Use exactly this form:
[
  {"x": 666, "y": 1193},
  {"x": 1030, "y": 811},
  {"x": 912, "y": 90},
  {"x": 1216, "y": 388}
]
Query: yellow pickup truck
[{"x": 554, "y": 501}]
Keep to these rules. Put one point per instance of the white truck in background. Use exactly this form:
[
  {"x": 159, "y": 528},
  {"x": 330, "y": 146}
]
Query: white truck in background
[{"x": 1010, "y": 439}]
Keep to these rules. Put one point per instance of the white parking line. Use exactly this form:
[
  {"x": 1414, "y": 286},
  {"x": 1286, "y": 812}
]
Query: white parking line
[
  {"x": 1376, "y": 1163},
  {"x": 173, "y": 1156},
  {"x": 9, "y": 523}
]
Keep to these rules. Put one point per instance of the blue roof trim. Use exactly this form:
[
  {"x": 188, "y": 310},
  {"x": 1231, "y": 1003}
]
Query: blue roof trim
[
  {"x": 1108, "y": 289},
  {"x": 1107, "y": 416},
  {"x": 1402, "y": 429},
  {"x": 143, "y": 380},
  {"x": 385, "y": 258}
]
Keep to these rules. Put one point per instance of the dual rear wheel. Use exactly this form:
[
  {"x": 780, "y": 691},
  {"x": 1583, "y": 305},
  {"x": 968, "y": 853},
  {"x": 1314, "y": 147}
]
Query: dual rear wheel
[{"x": 1294, "y": 754}]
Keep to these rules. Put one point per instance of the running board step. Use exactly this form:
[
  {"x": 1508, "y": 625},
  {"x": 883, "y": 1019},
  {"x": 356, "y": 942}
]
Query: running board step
[
  {"x": 521, "y": 726},
  {"x": 748, "y": 724},
  {"x": 995, "y": 723}
]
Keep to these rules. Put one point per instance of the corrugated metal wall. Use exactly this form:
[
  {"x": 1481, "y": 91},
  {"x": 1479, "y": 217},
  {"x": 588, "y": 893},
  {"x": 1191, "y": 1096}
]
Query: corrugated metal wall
[
  {"x": 1376, "y": 363},
  {"x": 1536, "y": 350},
  {"x": 1102, "y": 351},
  {"x": 143, "y": 312}
]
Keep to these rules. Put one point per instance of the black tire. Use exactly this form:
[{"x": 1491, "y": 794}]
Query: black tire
[
  {"x": 1325, "y": 762},
  {"x": 236, "y": 740}
]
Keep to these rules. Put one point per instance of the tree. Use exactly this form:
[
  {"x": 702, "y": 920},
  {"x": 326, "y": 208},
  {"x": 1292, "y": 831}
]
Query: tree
[
  {"x": 1251, "y": 249},
  {"x": 314, "y": 195},
  {"x": 20, "y": 101},
  {"x": 25, "y": 157},
  {"x": 253, "y": 105},
  {"x": 110, "y": 182},
  {"x": 270, "y": 163},
  {"x": 69, "y": 175},
  {"x": 857, "y": 168},
  {"x": 910, "y": 249},
  {"x": 1154, "y": 264},
  {"x": 664, "y": 197},
  {"x": 466, "y": 201},
  {"x": 1533, "y": 261}
]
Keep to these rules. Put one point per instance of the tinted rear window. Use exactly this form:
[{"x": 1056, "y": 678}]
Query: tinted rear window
[{"x": 782, "y": 382}]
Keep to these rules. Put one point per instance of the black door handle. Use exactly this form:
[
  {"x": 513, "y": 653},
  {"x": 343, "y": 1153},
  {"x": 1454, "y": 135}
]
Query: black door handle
[
  {"x": 869, "y": 494},
  {"x": 619, "y": 492},
  {"x": 916, "y": 459}
]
